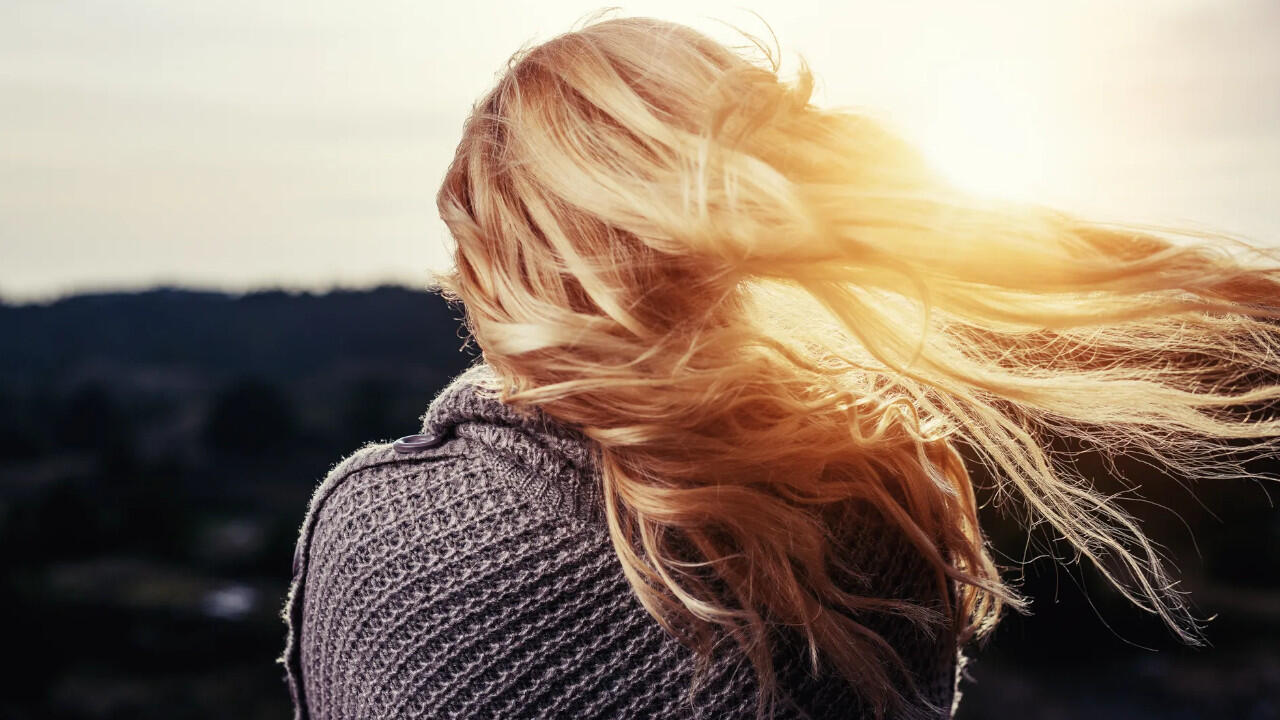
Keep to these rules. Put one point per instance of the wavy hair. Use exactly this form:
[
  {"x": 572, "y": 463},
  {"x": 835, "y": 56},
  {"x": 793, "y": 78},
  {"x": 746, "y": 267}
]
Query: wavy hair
[{"x": 761, "y": 309}]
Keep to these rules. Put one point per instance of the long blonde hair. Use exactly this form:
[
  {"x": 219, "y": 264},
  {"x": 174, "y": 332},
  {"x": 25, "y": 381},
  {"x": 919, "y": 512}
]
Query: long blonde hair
[{"x": 761, "y": 309}]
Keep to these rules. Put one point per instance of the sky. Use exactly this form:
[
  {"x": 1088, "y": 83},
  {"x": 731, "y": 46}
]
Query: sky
[{"x": 242, "y": 144}]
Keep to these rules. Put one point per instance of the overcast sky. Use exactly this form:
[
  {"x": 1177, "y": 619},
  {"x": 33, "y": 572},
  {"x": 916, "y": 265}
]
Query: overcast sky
[{"x": 243, "y": 144}]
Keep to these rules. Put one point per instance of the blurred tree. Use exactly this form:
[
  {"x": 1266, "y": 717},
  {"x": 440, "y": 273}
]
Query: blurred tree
[
  {"x": 251, "y": 416},
  {"x": 19, "y": 438},
  {"x": 90, "y": 418},
  {"x": 368, "y": 410}
]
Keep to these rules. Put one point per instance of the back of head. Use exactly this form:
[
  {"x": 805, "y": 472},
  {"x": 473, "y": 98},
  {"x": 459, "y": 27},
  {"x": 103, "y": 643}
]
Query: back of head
[{"x": 762, "y": 310}]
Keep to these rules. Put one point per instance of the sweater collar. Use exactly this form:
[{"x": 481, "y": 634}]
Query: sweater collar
[{"x": 556, "y": 459}]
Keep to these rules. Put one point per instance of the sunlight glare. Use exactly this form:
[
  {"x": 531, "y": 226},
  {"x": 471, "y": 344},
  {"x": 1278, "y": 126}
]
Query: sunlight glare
[{"x": 989, "y": 132}]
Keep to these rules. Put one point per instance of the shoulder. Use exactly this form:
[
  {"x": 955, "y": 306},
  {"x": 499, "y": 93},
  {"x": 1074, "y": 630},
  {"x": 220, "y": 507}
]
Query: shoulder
[
  {"x": 404, "y": 560},
  {"x": 370, "y": 466},
  {"x": 380, "y": 508}
]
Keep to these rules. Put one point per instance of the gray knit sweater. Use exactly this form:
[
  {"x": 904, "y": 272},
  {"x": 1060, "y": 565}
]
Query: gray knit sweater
[{"x": 467, "y": 573}]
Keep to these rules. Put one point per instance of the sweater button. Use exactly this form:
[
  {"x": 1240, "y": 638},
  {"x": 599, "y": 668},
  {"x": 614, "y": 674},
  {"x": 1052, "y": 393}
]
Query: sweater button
[{"x": 414, "y": 443}]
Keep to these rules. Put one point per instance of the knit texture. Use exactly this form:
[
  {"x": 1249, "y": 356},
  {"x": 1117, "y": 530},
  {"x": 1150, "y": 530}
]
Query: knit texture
[{"x": 475, "y": 578}]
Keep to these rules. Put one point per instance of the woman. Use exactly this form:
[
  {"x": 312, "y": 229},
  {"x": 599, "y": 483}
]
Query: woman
[{"x": 734, "y": 345}]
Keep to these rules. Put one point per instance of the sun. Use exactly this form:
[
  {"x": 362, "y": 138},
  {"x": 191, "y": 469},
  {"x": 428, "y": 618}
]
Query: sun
[{"x": 991, "y": 131}]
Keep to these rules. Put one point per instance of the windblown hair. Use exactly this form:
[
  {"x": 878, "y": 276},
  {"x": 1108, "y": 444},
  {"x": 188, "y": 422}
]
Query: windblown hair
[{"x": 762, "y": 309}]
